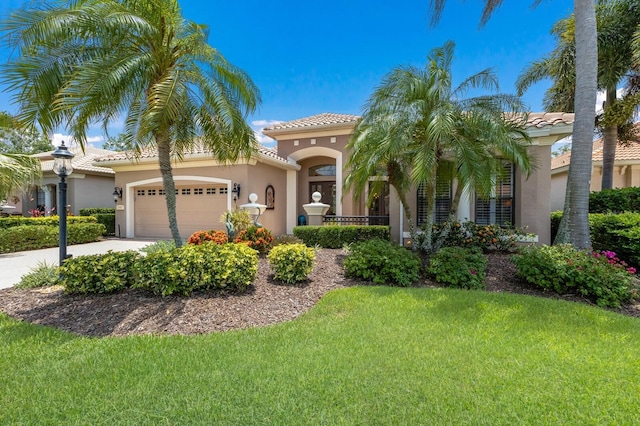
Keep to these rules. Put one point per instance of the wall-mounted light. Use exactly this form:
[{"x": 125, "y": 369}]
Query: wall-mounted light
[
  {"x": 117, "y": 194},
  {"x": 236, "y": 191}
]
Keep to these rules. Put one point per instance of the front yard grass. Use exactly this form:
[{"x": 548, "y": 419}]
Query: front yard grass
[{"x": 363, "y": 355}]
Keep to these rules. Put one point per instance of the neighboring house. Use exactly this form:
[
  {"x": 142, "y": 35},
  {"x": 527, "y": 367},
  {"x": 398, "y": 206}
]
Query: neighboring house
[
  {"x": 626, "y": 171},
  {"x": 310, "y": 156},
  {"x": 88, "y": 185}
]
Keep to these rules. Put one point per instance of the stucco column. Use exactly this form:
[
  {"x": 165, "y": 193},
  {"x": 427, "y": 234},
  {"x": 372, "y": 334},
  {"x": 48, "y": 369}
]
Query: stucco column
[
  {"x": 292, "y": 201},
  {"x": 47, "y": 200},
  {"x": 464, "y": 207},
  {"x": 339, "y": 184}
]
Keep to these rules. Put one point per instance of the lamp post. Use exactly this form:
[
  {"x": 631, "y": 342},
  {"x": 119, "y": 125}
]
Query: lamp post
[{"x": 63, "y": 168}]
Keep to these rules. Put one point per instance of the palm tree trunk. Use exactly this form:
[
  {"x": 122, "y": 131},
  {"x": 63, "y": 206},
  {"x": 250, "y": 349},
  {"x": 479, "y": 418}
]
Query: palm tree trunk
[
  {"x": 574, "y": 226},
  {"x": 609, "y": 143},
  {"x": 164, "y": 158},
  {"x": 427, "y": 245}
]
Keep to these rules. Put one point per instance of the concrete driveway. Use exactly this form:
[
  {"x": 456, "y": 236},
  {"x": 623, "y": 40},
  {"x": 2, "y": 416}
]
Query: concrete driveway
[{"x": 14, "y": 265}]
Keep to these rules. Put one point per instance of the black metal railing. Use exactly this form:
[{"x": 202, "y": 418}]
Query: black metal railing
[{"x": 356, "y": 220}]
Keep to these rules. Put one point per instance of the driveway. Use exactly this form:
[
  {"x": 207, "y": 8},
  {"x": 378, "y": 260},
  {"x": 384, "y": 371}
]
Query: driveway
[{"x": 14, "y": 265}]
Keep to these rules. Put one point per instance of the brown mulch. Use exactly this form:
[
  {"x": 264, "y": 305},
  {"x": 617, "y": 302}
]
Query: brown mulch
[{"x": 266, "y": 302}]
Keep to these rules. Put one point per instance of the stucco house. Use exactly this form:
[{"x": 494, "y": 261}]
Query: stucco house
[
  {"x": 310, "y": 156},
  {"x": 626, "y": 171},
  {"x": 88, "y": 185}
]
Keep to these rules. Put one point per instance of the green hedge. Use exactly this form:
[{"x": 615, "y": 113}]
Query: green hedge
[
  {"x": 619, "y": 233},
  {"x": 33, "y": 237},
  {"x": 9, "y": 222},
  {"x": 97, "y": 210},
  {"x": 382, "y": 262},
  {"x": 104, "y": 215},
  {"x": 99, "y": 273},
  {"x": 615, "y": 200},
  {"x": 336, "y": 236}
]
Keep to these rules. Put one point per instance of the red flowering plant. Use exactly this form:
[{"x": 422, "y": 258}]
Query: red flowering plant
[
  {"x": 259, "y": 239},
  {"x": 217, "y": 237}
]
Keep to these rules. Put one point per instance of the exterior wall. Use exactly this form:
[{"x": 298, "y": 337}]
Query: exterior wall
[
  {"x": 532, "y": 199},
  {"x": 303, "y": 194},
  {"x": 286, "y": 147},
  {"x": 85, "y": 191},
  {"x": 252, "y": 178},
  {"x": 558, "y": 188}
]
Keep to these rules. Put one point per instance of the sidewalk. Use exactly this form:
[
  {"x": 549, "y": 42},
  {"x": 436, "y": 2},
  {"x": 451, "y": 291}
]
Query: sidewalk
[{"x": 15, "y": 265}]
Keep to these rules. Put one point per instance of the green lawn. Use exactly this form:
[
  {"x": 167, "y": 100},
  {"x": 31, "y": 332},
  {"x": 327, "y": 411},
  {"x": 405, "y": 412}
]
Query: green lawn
[{"x": 364, "y": 355}]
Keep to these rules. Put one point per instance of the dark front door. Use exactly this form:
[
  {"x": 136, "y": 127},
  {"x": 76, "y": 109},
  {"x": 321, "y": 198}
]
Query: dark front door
[{"x": 328, "y": 191}]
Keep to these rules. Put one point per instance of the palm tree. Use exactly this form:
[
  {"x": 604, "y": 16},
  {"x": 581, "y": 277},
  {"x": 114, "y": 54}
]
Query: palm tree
[
  {"x": 87, "y": 61},
  {"x": 416, "y": 124},
  {"x": 574, "y": 227},
  {"x": 617, "y": 22},
  {"x": 17, "y": 173}
]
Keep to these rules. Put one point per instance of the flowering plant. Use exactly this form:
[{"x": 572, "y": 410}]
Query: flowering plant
[
  {"x": 259, "y": 239},
  {"x": 217, "y": 237},
  {"x": 611, "y": 258}
]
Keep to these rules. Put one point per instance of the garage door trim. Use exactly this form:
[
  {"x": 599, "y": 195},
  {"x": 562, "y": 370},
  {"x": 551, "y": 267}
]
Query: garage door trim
[{"x": 129, "y": 193}]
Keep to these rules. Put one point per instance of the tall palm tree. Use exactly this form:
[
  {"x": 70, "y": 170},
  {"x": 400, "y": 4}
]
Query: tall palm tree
[
  {"x": 574, "y": 227},
  {"x": 416, "y": 124},
  {"x": 617, "y": 22},
  {"x": 87, "y": 61}
]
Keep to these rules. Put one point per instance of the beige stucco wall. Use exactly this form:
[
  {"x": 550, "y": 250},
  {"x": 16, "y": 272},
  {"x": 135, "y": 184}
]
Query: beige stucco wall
[
  {"x": 286, "y": 147},
  {"x": 86, "y": 191},
  {"x": 252, "y": 178},
  {"x": 532, "y": 196},
  {"x": 558, "y": 190}
]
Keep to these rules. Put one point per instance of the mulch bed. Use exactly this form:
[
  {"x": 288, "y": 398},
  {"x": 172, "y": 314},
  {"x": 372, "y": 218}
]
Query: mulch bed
[{"x": 136, "y": 312}]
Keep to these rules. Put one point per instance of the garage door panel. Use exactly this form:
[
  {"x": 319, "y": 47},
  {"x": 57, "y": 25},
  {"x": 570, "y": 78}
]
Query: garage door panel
[{"x": 197, "y": 207}]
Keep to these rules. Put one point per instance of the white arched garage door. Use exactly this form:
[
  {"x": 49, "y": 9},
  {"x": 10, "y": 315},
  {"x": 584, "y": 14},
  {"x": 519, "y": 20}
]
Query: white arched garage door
[{"x": 199, "y": 205}]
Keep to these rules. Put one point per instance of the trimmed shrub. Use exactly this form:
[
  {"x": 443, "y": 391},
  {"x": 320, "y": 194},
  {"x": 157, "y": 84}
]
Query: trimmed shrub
[
  {"x": 90, "y": 211},
  {"x": 10, "y": 222},
  {"x": 286, "y": 239},
  {"x": 291, "y": 263},
  {"x": 217, "y": 237},
  {"x": 197, "y": 267},
  {"x": 616, "y": 232},
  {"x": 160, "y": 245},
  {"x": 259, "y": 239},
  {"x": 103, "y": 215},
  {"x": 336, "y": 236},
  {"x": 30, "y": 237},
  {"x": 459, "y": 267},
  {"x": 99, "y": 273},
  {"x": 615, "y": 200},
  {"x": 470, "y": 234},
  {"x": 382, "y": 262},
  {"x": 43, "y": 275},
  {"x": 600, "y": 277}
]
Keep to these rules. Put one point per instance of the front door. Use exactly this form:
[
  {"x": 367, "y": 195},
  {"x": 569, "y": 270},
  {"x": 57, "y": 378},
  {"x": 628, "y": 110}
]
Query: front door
[{"x": 328, "y": 191}]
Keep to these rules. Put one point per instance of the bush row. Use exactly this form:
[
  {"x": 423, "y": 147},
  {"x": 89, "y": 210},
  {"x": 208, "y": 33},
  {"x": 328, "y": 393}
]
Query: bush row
[
  {"x": 472, "y": 235},
  {"x": 9, "y": 222},
  {"x": 31, "y": 237},
  {"x": 599, "y": 276},
  {"x": 382, "y": 262},
  {"x": 616, "y": 232},
  {"x": 615, "y": 200},
  {"x": 105, "y": 216},
  {"x": 336, "y": 236}
]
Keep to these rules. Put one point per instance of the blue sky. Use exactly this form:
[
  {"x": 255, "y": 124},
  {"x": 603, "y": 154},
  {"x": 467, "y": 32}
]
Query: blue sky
[{"x": 312, "y": 57}]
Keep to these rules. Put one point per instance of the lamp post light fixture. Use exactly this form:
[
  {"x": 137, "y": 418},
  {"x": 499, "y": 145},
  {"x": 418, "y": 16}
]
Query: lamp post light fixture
[
  {"x": 63, "y": 168},
  {"x": 236, "y": 192}
]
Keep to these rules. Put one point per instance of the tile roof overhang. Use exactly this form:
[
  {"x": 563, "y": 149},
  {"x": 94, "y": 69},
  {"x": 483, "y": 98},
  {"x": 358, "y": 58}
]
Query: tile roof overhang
[
  {"x": 547, "y": 126},
  {"x": 150, "y": 155},
  {"x": 82, "y": 162},
  {"x": 625, "y": 155}
]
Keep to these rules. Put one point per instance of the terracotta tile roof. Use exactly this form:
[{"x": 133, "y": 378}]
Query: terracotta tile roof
[
  {"x": 623, "y": 153},
  {"x": 82, "y": 162},
  {"x": 543, "y": 119},
  {"x": 324, "y": 119},
  {"x": 534, "y": 119},
  {"x": 198, "y": 150}
]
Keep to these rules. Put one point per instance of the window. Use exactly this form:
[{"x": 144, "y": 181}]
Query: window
[
  {"x": 211, "y": 191},
  {"x": 323, "y": 170},
  {"x": 152, "y": 192},
  {"x": 186, "y": 191},
  {"x": 197, "y": 191},
  {"x": 224, "y": 190},
  {"x": 161, "y": 192},
  {"x": 140, "y": 192},
  {"x": 443, "y": 201},
  {"x": 498, "y": 210}
]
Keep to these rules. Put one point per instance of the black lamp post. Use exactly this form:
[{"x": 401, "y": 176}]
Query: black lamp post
[{"x": 63, "y": 168}]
